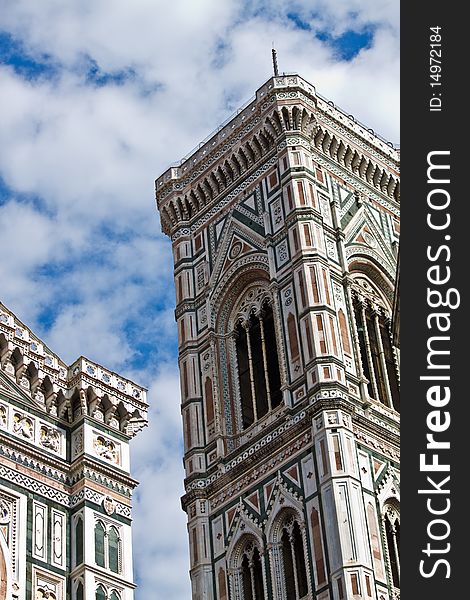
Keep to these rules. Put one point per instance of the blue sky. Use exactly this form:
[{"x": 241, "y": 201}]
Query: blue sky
[{"x": 97, "y": 99}]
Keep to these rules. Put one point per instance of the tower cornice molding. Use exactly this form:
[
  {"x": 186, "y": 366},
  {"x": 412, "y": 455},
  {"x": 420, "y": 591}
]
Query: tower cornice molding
[
  {"x": 47, "y": 386},
  {"x": 382, "y": 429}
]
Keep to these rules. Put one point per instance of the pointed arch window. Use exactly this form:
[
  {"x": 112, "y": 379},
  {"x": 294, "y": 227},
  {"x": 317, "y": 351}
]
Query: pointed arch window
[
  {"x": 113, "y": 550},
  {"x": 79, "y": 591},
  {"x": 375, "y": 344},
  {"x": 100, "y": 533},
  {"x": 79, "y": 541},
  {"x": 392, "y": 536},
  {"x": 293, "y": 555},
  {"x": 258, "y": 365},
  {"x": 252, "y": 573},
  {"x": 107, "y": 546},
  {"x": 100, "y": 593}
]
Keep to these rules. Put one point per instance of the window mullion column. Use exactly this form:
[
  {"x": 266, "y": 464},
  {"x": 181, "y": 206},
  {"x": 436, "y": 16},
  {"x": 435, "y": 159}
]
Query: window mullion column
[
  {"x": 265, "y": 363},
  {"x": 368, "y": 349},
  {"x": 246, "y": 325},
  {"x": 106, "y": 549},
  {"x": 279, "y": 584},
  {"x": 282, "y": 363},
  {"x": 355, "y": 338},
  {"x": 395, "y": 357},
  {"x": 252, "y": 579},
  {"x": 395, "y": 546},
  {"x": 238, "y": 409},
  {"x": 382, "y": 357},
  {"x": 235, "y": 584},
  {"x": 294, "y": 565}
]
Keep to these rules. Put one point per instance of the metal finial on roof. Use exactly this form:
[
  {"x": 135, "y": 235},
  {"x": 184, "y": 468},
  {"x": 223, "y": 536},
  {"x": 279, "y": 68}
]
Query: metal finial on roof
[{"x": 276, "y": 70}]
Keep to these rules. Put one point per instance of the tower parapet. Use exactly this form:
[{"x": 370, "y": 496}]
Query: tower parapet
[{"x": 283, "y": 107}]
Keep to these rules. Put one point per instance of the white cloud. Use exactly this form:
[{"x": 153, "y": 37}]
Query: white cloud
[
  {"x": 160, "y": 538},
  {"x": 31, "y": 239},
  {"x": 86, "y": 264}
]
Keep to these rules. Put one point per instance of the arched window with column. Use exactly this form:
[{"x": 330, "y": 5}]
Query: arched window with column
[
  {"x": 374, "y": 337},
  {"x": 257, "y": 361},
  {"x": 108, "y": 551},
  {"x": 113, "y": 549},
  {"x": 247, "y": 573},
  {"x": 78, "y": 541},
  {"x": 288, "y": 556},
  {"x": 77, "y": 587},
  {"x": 100, "y": 533},
  {"x": 295, "y": 573},
  {"x": 249, "y": 351},
  {"x": 100, "y": 593},
  {"x": 391, "y": 521},
  {"x": 252, "y": 574}
]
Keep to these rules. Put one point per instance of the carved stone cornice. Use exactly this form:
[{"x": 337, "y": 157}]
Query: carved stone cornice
[
  {"x": 88, "y": 467},
  {"x": 283, "y": 106},
  {"x": 65, "y": 392},
  {"x": 59, "y": 471},
  {"x": 25, "y": 454},
  {"x": 378, "y": 432}
]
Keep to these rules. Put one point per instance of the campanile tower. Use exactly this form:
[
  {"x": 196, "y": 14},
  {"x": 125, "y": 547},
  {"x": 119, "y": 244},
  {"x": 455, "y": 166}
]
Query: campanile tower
[{"x": 284, "y": 225}]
